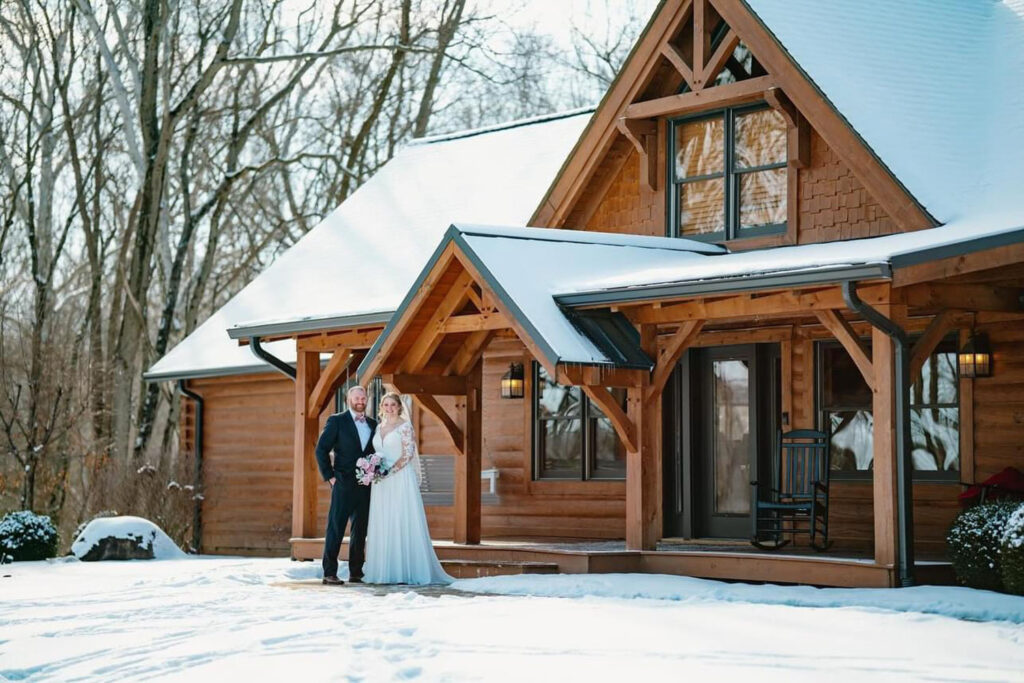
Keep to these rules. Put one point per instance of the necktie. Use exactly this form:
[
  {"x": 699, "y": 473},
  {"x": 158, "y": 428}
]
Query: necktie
[{"x": 359, "y": 417}]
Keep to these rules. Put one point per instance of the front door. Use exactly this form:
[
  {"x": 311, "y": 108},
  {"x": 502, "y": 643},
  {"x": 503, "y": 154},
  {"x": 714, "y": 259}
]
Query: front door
[{"x": 722, "y": 413}]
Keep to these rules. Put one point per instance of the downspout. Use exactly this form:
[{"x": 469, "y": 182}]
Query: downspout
[
  {"x": 197, "y": 476},
  {"x": 264, "y": 355},
  {"x": 901, "y": 396}
]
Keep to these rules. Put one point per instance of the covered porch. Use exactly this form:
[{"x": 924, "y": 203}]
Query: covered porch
[{"x": 597, "y": 325}]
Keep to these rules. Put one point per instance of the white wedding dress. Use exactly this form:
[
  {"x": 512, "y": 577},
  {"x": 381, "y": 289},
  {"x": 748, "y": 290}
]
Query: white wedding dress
[{"x": 398, "y": 547}]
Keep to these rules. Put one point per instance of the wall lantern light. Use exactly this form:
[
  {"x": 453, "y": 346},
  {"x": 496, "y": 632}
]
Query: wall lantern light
[
  {"x": 975, "y": 358},
  {"x": 512, "y": 381}
]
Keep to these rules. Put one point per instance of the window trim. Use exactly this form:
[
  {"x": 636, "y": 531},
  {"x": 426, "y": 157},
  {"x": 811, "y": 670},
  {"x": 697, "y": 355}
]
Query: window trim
[
  {"x": 730, "y": 178},
  {"x": 820, "y": 414},
  {"x": 587, "y": 469}
]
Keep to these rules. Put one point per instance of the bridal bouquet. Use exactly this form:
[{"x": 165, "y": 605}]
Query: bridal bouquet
[{"x": 371, "y": 469}]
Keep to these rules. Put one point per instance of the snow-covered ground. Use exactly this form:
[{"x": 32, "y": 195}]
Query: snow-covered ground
[{"x": 269, "y": 619}]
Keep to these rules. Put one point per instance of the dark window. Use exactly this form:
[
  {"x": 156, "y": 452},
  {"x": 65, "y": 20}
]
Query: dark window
[
  {"x": 728, "y": 174},
  {"x": 572, "y": 437},
  {"x": 844, "y": 405}
]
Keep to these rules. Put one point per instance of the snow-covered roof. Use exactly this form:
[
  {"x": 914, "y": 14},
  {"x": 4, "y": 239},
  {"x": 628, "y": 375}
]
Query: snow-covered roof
[
  {"x": 934, "y": 87},
  {"x": 527, "y": 267},
  {"x": 361, "y": 259},
  {"x": 820, "y": 262},
  {"x": 539, "y": 275}
]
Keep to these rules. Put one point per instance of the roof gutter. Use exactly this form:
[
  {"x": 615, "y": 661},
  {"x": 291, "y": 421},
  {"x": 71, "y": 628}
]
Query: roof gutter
[
  {"x": 309, "y": 325},
  {"x": 263, "y": 354},
  {"x": 904, "y": 447},
  {"x": 724, "y": 285}
]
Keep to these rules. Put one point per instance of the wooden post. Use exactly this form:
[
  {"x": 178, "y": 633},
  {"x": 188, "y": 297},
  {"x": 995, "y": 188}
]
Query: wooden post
[
  {"x": 467, "y": 463},
  {"x": 305, "y": 474},
  {"x": 643, "y": 466},
  {"x": 884, "y": 437}
]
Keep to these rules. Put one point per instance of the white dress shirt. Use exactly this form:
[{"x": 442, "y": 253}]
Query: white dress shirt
[{"x": 363, "y": 428}]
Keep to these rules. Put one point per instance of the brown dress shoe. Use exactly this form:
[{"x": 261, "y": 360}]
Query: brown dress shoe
[{"x": 333, "y": 581}]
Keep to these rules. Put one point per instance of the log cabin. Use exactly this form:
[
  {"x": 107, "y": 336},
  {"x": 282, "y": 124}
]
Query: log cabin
[{"x": 781, "y": 216}]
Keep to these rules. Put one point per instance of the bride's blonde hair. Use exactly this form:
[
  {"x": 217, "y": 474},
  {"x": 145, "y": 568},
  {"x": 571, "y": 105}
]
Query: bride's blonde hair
[{"x": 396, "y": 398}]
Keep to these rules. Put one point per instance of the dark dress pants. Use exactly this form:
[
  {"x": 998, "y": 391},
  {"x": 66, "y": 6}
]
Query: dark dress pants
[{"x": 348, "y": 500}]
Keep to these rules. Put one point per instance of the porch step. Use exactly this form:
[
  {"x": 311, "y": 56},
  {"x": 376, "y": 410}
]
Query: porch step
[{"x": 472, "y": 569}]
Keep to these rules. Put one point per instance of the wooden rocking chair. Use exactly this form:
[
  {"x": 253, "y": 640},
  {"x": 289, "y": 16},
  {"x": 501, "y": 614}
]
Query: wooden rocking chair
[{"x": 797, "y": 498}]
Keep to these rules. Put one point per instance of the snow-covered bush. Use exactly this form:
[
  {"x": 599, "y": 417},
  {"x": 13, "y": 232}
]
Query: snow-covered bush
[
  {"x": 975, "y": 541},
  {"x": 25, "y": 535},
  {"x": 1012, "y": 552}
]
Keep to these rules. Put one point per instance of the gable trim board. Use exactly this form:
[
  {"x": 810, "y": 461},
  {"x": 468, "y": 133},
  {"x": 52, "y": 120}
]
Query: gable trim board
[
  {"x": 575, "y": 175},
  {"x": 286, "y": 328}
]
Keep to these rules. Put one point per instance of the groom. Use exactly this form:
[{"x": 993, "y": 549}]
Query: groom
[{"x": 350, "y": 436}]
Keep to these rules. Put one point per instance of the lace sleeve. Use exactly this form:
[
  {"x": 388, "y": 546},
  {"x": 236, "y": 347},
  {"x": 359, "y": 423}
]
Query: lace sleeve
[{"x": 410, "y": 454}]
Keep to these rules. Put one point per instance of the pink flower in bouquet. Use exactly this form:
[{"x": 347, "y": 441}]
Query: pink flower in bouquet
[
  {"x": 375, "y": 459},
  {"x": 361, "y": 463}
]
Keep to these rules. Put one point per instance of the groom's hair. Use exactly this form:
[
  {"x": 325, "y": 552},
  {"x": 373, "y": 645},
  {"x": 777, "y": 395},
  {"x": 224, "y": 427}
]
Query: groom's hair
[{"x": 355, "y": 388}]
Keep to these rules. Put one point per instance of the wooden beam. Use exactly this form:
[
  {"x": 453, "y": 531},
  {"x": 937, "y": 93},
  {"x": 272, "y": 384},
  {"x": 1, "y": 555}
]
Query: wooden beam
[
  {"x": 429, "y": 339},
  {"x": 963, "y": 296},
  {"x": 841, "y": 330},
  {"x": 343, "y": 339},
  {"x": 444, "y": 262},
  {"x": 785, "y": 302},
  {"x": 750, "y": 335},
  {"x": 721, "y": 56},
  {"x": 799, "y": 130},
  {"x": 305, "y": 473},
  {"x": 700, "y": 41},
  {"x": 624, "y": 427},
  {"x": 474, "y": 322},
  {"x": 452, "y": 430},
  {"x": 579, "y": 375},
  {"x": 475, "y": 298},
  {"x": 322, "y": 391},
  {"x": 468, "y": 462},
  {"x": 436, "y": 385},
  {"x": 940, "y": 326},
  {"x": 471, "y": 351},
  {"x": 643, "y": 464},
  {"x": 943, "y": 269},
  {"x": 883, "y": 410},
  {"x": 671, "y": 53},
  {"x": 643, "y": 134},
  {"x": 670, "y": 355},
  {"x": 967, "y": 468},
  {"x": 720, "y": 96}
]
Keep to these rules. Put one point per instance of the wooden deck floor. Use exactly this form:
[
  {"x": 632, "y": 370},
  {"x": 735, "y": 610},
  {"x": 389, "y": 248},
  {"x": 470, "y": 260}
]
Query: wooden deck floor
[{"x": 704, "y": 559}]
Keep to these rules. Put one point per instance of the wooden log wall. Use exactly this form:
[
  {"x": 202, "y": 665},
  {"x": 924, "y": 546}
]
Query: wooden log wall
[
  {"x": 247, "y": 464},
  {"x": 525, "y": 508}
]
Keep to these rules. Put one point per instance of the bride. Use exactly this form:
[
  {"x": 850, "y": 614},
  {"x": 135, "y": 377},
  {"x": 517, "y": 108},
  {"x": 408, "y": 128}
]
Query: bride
[{"x": 397, "y": 540}]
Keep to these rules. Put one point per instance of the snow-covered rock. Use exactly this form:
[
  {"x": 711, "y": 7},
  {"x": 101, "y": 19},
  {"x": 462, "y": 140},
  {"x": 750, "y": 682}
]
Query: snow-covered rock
[{"x": 124, "y": 538}]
